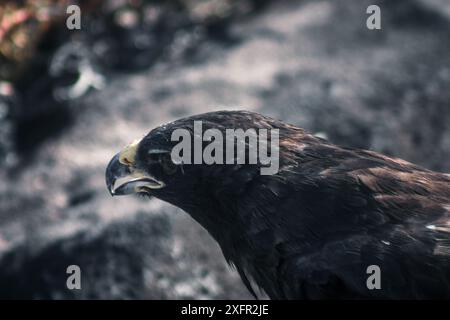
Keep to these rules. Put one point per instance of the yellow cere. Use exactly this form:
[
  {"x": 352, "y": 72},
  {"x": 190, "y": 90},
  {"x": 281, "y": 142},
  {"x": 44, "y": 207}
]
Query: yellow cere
[{"x": 128, "y": 154}]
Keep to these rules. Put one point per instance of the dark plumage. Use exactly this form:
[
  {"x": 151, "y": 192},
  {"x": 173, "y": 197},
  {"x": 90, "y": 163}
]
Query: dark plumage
[{"x": 311, "y": 230}]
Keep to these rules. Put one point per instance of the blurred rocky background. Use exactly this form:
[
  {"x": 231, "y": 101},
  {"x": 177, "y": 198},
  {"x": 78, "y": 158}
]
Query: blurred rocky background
[{"x": 69, "y": 99}]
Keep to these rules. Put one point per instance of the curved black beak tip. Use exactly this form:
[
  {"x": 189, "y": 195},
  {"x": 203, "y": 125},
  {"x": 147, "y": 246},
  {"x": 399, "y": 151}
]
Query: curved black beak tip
[{"x": 114, "y": 171}]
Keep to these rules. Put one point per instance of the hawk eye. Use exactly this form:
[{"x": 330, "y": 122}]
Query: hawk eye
[{"x": 166, "y": 163}]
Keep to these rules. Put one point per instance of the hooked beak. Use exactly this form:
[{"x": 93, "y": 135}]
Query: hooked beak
[{"x": 123, "y": 178}]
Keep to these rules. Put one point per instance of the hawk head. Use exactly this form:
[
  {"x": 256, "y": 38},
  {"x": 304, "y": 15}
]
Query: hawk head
[{"x": 147, "y": 166}]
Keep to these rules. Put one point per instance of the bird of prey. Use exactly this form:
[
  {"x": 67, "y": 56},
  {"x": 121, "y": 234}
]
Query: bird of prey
[{"x": 315, "y": 228}]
